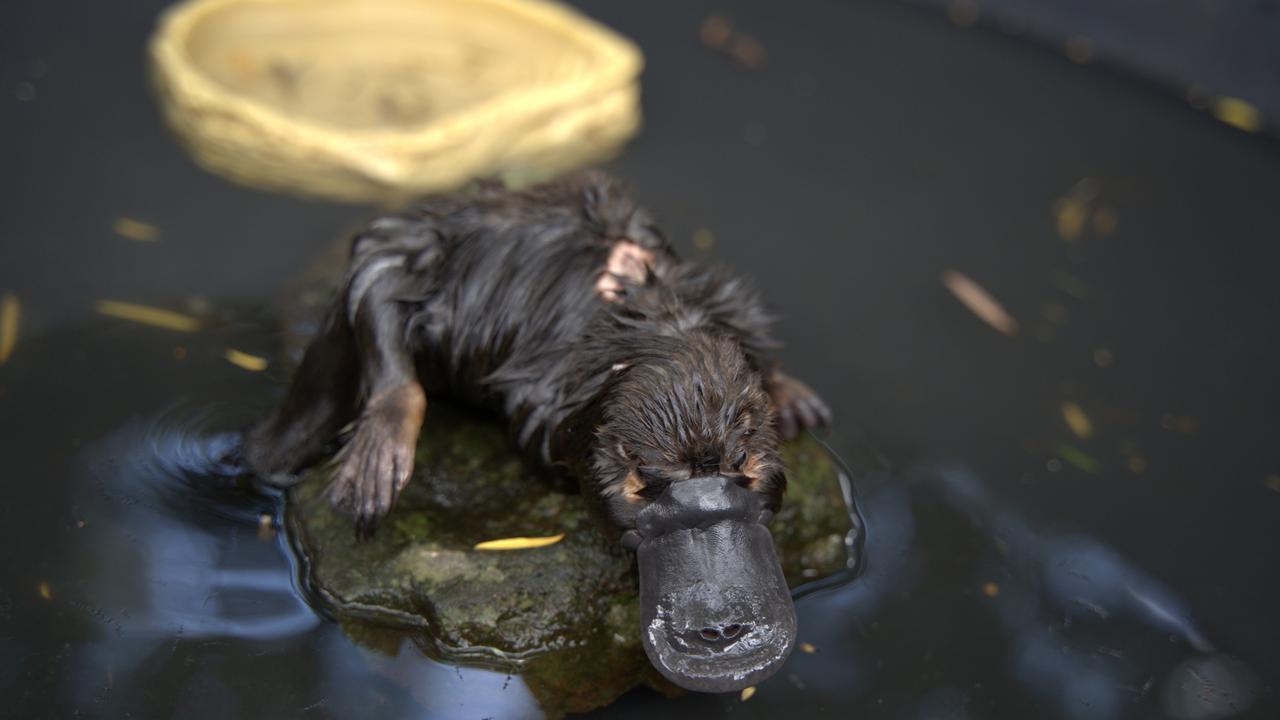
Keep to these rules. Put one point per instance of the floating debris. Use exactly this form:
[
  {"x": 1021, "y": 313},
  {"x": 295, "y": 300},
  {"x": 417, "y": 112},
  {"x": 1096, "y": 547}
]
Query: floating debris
[
  {"x": 1273, "y": 483},
  {"x": 1238, "y": 114},
  {"x": 45, "y": 592},
  {"x": 179, "y": 353},
  {"x": 1077, "y": 420},
  {"x": 1076, "y": 457},
  {"x": 266, "y": 528},
  {"x": 1069, "y": 215},
  {"x": 990, "y": 589},
  {"x": 1182, "y": 424},
  {"x": 747, "y": 692},
  {"x": 807, "y": 648},
  {"x": 1104, "y": 221},
  {"x": 964, "y": 13},
  {"x": 252, "y": 363},
  {"x": 1076, "y": 210},
  {"x": 747, "y": 51},
  {"x": 519, "y": 543},
  {"x": 135, "y": 229},
  {"x": 1079, "y": 49},
  {"x": 1102, "y": 357},
  {"x": 24, "y": 91},
  {"x": 146, "y": 315},
  {"x": 1136, "y": 464},
  {"x": 979, "y": 302},
  {"x": 715, "y": 31},
  {"x": 10, "y": 315},
  {"x": 703, "y": 239}
]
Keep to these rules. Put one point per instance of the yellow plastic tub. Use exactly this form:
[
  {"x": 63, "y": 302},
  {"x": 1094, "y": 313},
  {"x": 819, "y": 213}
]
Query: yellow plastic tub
[{"x": 380, "y": 100}]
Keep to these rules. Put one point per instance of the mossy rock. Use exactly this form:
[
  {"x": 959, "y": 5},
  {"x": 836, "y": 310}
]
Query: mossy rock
[{"x": 564, "y": 616}]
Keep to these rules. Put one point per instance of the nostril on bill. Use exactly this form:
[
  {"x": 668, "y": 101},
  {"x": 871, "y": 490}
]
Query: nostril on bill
[{"x": 721, "y": 633}]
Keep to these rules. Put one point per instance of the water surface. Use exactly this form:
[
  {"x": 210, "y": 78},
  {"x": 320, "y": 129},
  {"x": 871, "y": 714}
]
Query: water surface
[{"x": 1014, "y": 569}]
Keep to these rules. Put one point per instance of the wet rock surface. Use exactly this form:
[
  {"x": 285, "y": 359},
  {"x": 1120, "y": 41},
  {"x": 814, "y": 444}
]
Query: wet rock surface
[{"x": 564, "y": 616}]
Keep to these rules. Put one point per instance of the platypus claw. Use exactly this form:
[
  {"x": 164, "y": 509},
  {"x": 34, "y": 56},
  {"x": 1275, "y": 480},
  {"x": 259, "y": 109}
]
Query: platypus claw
[
  {"x": 797, "y": 406},
  {"x": 374, "y": 467}
]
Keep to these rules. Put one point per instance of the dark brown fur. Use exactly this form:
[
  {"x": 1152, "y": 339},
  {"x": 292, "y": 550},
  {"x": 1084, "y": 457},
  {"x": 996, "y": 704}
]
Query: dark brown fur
[{"x": 564, "y": 309}]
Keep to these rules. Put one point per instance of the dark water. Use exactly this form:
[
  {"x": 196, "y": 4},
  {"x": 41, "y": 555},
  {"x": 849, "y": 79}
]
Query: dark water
[{"x": 1014, "y": 570}]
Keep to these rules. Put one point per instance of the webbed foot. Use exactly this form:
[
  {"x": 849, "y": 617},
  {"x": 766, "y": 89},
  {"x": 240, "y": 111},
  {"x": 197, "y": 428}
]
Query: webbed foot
[{"x": 797, "y": 406}]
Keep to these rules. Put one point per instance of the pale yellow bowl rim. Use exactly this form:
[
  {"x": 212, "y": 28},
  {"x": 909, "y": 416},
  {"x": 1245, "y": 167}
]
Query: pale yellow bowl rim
[{"x": 616, "y": 63}]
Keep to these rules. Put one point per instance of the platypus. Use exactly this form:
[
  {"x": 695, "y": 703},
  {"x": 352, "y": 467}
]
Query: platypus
[{"x": 646, "y": 377}]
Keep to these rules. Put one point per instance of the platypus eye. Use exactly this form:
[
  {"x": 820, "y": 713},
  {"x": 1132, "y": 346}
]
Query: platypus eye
[
  {"x": 738, "y": 461},
  {"x": 654, "y": 483}
]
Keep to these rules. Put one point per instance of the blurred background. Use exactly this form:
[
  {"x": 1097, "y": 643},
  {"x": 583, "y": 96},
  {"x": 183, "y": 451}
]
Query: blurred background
[{"x": 1026, "y": 249}]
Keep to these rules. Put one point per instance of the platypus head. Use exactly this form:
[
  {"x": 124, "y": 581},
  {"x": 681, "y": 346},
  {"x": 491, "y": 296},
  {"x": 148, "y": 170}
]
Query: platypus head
[{"x": 687, "y": 463}]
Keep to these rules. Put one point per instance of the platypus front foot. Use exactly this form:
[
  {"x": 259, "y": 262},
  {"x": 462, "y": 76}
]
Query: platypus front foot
[
  {"x": 796, "y": 405},
  {"x": 375, "y": 466}
]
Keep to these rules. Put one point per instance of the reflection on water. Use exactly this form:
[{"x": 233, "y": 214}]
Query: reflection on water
[
  {"x": 170, "y": 597},
  {"x": 1080, "y": 619},
  {"x": 167, "y": 551},
  {"x": 189, "y": 558}
]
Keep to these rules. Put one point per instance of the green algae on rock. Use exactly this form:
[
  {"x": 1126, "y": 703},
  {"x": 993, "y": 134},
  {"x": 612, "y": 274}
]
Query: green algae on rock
[{"x": 565, "y": 616}]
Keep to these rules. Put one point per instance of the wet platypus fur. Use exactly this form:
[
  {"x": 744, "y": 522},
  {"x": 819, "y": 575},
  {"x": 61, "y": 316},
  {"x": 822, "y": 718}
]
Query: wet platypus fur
[{"x": 645, "y": 376}]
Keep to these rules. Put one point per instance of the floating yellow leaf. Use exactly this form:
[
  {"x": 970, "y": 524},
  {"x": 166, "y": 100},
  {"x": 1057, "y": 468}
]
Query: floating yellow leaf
[
  {"x": 1077, "y": 420},
  {"x": 979, "y": 302},
  {"x": 10, "y": 313},
  {"x": 252, "y": 363},
  {"x": 703, "y": 239},
  {"x": 519, "y": 543},
  {"x": 1238, "y": 114},
  {"x": 807, "y": 648},
  {"x": 148, "y": 315},
  {"x": 1070, "y": 214},
  {"x": 990, "y": 589},
  {"x": 135, "y": 229},
  {"x": 45, "y": 592},
  {"x": 747, "y": 692}
]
